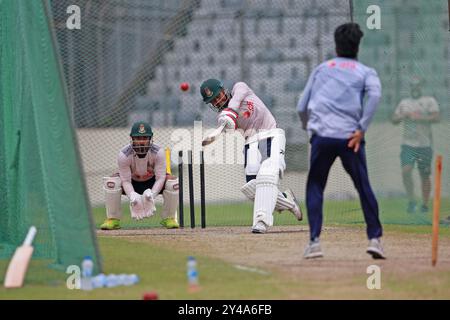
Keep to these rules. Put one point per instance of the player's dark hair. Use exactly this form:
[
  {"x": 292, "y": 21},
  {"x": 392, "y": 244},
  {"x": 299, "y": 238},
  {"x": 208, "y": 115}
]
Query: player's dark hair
[{"x": 347, "y": 37}]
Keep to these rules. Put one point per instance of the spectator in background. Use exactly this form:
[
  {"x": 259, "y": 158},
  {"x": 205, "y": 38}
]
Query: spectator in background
[{"x": 418, "y": 113}]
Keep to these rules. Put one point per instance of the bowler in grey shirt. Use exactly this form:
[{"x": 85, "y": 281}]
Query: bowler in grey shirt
[{"x": 336, "y": 107}]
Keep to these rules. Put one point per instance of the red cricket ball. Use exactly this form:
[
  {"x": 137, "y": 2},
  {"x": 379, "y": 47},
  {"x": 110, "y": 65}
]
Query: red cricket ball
[
  {"x": 184, "y": 86},
  {"x": 152, "y": 295}
]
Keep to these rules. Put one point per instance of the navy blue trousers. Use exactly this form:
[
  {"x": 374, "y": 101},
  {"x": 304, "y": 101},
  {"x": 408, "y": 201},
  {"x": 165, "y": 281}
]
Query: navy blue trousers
[{"x": 323, "y": 153}]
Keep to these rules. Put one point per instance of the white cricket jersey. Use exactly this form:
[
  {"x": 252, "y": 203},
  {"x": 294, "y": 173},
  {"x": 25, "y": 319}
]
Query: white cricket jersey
[
  {"x": 251, "y": 114},
  {"x": 417, "y": 133},
  {"x": 142, "y": 169}
]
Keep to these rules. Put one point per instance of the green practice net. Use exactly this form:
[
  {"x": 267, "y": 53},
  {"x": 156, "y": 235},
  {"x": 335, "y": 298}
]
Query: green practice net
[
  {"x": 128, "y": 58},
  {"x": 42, "y": 183}
]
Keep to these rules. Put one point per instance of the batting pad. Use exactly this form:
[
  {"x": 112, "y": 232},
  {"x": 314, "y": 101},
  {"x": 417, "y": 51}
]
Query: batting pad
[
  {"x": 113, "y": 193},
  {"x": 266, "y": 192},
  {"x": 170, "y": 196},
  {"x": 283, "y": 203}
]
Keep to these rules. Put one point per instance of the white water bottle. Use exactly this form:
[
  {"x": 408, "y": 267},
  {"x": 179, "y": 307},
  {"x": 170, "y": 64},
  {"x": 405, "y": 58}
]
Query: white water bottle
[
  {"x": 192, "y": 274},
  {"x": 131, "y": 279},
  {"x": 112, "y": 280},
  {"x": 99, "y": 281},
  {"x": 87, "y": 269}
]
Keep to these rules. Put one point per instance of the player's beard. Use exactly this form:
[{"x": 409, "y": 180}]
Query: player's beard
[
  {"x": 222, "y": 104},
  {"x": 141, "y": 150}
]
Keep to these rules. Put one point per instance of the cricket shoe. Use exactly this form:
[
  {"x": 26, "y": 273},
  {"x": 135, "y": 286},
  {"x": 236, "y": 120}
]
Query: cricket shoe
[
  {"x": 170, "y": 223},
  {"x": 445, "y": 220},
  {"x": 411, "y": 207},
  {"x": 110, "y": 224},
  {"x": 260, "y": 227},
  {"x": 296, "y": 210},
  {"x": 375, "y": 249},
  {"x": 424, "y": 208},
  {"x": 313, "y": 250}
]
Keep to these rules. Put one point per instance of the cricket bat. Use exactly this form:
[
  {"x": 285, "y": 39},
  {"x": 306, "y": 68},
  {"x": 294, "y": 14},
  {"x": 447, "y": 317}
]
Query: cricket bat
[
  {"x": 17, "y": 268},
  {"x": 212, "y": 137}
]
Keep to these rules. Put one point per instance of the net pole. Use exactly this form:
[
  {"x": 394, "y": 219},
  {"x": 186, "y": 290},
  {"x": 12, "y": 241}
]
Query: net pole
[
  {"x": 350, "y": 3},
  {"x": 448, "y": 9},
  {"x": 436, "y": 209}
]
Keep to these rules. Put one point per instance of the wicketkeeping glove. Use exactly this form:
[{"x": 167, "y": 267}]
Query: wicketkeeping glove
[
  {"x": 149, "y": 203},
  {"x": 136, "y": 206},
  {"x": 134, "y": 198}
]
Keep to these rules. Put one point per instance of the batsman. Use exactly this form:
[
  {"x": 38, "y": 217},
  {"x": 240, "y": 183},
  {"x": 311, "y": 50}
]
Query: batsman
[
  {"x": 264, "y": 148},
  {"x": 142, "y": 176}
]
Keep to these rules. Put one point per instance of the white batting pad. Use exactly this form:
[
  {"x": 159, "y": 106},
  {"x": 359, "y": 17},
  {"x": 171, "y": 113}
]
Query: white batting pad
[
  {"x": 249, "y": 190},
  {"x": 266, "y": 192},
  {"x": 283, "y": 203},
  {"x": 113, "y": 192},
  {"x": 170, "y": 196}
]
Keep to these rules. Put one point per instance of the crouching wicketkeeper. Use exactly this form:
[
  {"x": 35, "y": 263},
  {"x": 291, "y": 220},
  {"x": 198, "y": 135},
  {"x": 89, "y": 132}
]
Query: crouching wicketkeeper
[{"x": 142, "y": 176}]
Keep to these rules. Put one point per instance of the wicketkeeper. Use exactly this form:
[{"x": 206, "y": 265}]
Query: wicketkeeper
[{"x": 142, "y": 176}]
